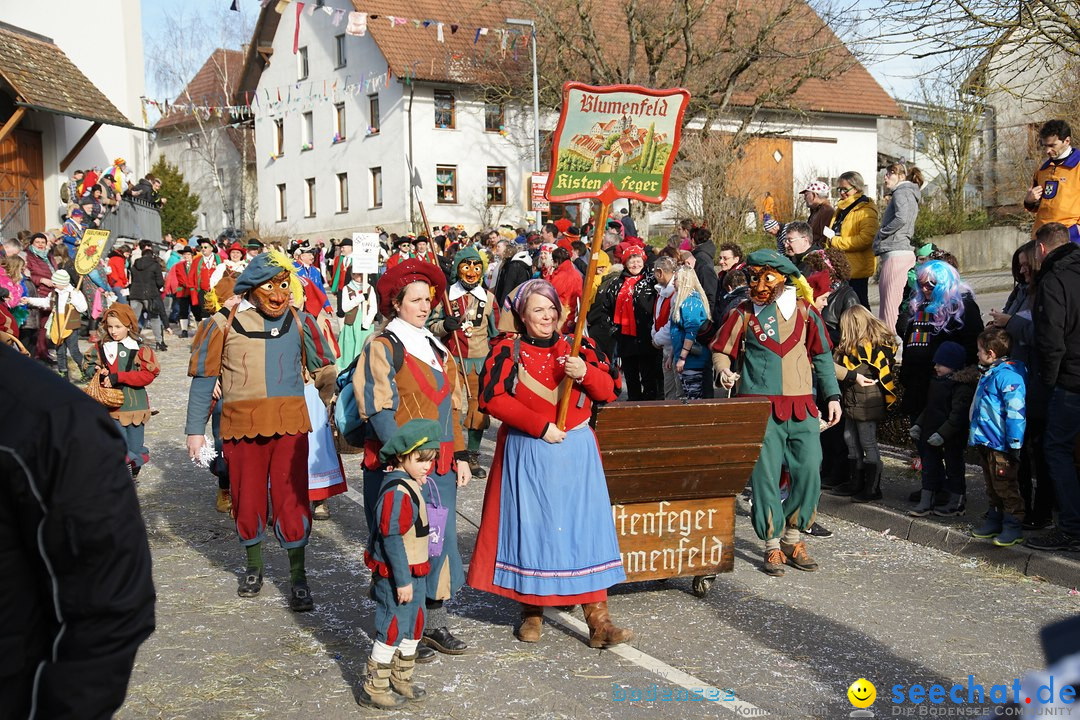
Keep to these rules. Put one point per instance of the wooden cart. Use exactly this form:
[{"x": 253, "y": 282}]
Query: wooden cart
[{"x": 673, "y": 470}]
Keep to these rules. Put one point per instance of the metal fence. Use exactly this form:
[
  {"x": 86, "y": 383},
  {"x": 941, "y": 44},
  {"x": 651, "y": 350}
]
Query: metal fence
[
  {"x": 135, "y": 220},
  {"x": 14, "y": 213}
]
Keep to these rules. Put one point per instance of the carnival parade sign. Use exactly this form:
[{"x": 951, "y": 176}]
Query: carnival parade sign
[
  {"x": 91, "y": 247},
  {"x": 616, "y": 141}
]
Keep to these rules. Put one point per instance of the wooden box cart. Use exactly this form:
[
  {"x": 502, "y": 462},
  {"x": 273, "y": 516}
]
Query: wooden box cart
[{"x": 673, "y": 470}]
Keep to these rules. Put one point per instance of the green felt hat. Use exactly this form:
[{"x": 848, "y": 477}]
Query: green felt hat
[
  {"x": 410, "y": 437},
  {"x": 773, "y": 259}
]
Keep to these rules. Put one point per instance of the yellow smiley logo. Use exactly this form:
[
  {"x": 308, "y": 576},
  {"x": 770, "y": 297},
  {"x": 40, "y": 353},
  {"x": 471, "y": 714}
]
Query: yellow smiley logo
[{"x": 862, "y": 693}]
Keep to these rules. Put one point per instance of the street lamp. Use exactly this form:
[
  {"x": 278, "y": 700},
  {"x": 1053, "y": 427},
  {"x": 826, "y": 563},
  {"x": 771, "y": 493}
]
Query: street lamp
[{"x": 536, "y": 102}]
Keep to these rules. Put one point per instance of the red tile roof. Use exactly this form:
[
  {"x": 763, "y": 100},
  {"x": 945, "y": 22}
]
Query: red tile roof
[
  {"x": 41, "y": 76},
  {"x": 415, "y": 53},
  {"x": 215, "y": 84}
]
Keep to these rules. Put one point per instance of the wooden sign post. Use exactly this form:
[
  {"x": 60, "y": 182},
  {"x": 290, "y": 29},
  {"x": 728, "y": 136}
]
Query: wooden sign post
[{"x": 616, "y": 141}]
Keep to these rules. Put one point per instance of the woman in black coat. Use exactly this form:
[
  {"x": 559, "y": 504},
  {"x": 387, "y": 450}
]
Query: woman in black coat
[{"x": 628, "y": 303}]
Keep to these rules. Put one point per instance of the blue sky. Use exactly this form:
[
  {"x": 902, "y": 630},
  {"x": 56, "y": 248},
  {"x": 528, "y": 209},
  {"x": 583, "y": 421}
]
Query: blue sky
[{"x": 893, "y": 67}]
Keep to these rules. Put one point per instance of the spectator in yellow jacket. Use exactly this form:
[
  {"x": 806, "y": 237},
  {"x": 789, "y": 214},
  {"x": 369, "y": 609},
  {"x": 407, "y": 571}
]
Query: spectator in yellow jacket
[{"x": 852, "y": 230}]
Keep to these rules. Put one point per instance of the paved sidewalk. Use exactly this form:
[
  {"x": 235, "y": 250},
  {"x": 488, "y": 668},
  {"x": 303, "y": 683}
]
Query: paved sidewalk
[{"x": 952, "y": 535}]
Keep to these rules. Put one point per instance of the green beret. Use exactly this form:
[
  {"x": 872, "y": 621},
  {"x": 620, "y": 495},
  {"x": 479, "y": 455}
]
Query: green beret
[
  {"x": 410, "y": 437},
  {"x": 773, "y": 259}
]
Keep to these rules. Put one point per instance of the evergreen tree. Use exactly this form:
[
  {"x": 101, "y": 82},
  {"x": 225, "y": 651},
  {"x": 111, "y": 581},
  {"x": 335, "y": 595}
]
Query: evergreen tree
[
  {"x": 178, "y": 214},
  {"x": 646, "y": 148}
]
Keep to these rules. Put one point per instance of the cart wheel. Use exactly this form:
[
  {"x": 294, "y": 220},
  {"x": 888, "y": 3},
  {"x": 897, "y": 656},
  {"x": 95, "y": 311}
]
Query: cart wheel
[{"x": 701, "y": 585}]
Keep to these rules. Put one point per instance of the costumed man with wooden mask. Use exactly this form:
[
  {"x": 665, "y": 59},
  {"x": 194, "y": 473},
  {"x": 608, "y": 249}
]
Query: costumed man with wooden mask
[
  {"x": 261, "y": 350},
  {"x": 467, "y": 331},
  {"x": 775, "y": 345}
]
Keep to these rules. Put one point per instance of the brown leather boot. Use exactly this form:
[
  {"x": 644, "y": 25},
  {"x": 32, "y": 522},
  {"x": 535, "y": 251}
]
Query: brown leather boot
[
  {"x": 401, "y": 673},
  {"x": 224, "y": 501},
  {"x": 376, "y": 692},
  {"x": 602, "y": 633},
  {"x": 532, "y": 621}
]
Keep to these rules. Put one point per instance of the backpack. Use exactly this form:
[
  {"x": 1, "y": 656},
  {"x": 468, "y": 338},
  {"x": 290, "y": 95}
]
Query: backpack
[{"x": 352, "y": 428}]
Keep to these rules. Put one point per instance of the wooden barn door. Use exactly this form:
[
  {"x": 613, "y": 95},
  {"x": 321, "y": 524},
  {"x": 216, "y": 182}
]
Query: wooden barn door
[
  {"x": 22, "y": 169},
  {"x": 766, "y": 165}
]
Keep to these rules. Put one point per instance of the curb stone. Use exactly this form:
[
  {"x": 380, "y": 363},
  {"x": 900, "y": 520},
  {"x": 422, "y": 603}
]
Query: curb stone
[{"x": 1058, "y": 568}]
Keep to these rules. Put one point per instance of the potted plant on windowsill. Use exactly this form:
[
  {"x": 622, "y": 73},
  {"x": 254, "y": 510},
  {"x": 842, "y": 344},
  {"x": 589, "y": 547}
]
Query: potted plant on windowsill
[{"x": 306, "y": 146}]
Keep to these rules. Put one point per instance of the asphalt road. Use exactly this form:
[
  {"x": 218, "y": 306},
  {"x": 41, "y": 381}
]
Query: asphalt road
[{"x": 880, "y": 608}]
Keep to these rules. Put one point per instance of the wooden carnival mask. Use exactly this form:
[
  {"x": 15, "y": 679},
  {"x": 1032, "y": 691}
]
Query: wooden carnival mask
[
  {"x": 766, "y": 283},
  {"x": 273, "y": 297},
  {"x": 470, "y": 273}
]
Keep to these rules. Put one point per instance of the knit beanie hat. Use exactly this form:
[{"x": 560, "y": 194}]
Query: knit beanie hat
[
  {"x": 61, "y": 280},
  {"x": 951, "y": 355}
]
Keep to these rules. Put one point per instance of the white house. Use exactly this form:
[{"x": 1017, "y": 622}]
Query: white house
[
  {"x": 352, "y": 132},
  {"x": 87, "y": 121},
  {"x": 215, "y": 153}
]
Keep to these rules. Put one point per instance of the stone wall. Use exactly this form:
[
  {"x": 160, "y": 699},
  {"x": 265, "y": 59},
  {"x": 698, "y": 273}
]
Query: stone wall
[{"x": 984, "y": 250}]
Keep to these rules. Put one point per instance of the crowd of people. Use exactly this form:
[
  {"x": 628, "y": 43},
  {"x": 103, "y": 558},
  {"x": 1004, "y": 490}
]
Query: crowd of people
[{"x": 410, "y": 363}]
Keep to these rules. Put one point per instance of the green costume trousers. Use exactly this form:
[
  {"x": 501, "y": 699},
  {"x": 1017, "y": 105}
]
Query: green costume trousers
[{"x": 796, "y": 444}]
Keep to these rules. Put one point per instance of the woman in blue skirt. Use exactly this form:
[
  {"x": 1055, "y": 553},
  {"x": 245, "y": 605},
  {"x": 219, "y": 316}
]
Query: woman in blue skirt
[{"x": 546, "y": 535}]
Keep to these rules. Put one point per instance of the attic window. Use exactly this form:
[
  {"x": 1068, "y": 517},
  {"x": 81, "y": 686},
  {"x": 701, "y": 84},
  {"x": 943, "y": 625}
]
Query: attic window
[{"x": 302, "y": 64}]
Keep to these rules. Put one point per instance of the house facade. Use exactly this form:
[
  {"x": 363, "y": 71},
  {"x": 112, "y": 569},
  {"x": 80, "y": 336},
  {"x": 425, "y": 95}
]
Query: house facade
[
  {"x": 385, "y": 125},
  {"x": 215, "y": 153},
  {"x": 88, "y": 121},
  {"x": 347, "y": 139},
  {"x": 1021, "y": 84}
]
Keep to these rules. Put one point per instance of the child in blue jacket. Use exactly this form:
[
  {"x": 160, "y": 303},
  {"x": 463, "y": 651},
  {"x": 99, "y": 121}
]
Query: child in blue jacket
[
  {"x": 997, "y": 430},
  {"x": 689, "y": 311}
]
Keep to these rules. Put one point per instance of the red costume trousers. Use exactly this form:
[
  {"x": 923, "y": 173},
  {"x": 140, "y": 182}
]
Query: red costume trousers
[{"x": 277, "y": 463}]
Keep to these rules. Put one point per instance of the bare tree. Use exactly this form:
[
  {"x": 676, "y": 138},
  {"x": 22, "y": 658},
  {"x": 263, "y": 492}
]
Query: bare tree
[
  {"x": 948, "y": 126},
  {"x": 190, "y": 41},
  {"x": 743, "y": 63}
]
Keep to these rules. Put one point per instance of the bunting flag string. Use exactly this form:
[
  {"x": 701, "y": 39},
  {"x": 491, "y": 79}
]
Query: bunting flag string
[
  {"x": 296, "y": 96},
  {"x": 357, "y": 24}
]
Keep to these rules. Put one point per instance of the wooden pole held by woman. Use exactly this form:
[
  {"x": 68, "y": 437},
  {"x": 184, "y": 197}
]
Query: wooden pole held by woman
[{"x": 586, "y": 302}]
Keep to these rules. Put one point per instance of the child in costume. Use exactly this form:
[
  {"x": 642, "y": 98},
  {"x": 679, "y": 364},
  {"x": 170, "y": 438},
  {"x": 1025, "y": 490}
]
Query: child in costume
[
  {"x": 779, "y": 344},
  {"x": 998, "y": 423},
  {"x": 130, "y": 367},
  {"x": 467, "y": 331},
  {"x": 864, "y": 366},
  {"x": 941, "y": 431},
  {"x": 66, "y": 305},
  {"x": 397, "y": 556},
  {"x": 260, "y": 350},
  {"x": 360, "y": 305}
]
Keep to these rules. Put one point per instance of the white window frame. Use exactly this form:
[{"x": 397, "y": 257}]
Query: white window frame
[
  {"x": 282, "y": 207},
  {"x": 307, "y": 130},
  {"x": 376, "y": 187},
  {"x": 309, "y": 197},
  {"x": 343, "y": 192},
  {"x": 302, "y": 68}
]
